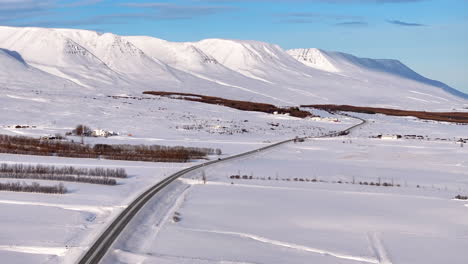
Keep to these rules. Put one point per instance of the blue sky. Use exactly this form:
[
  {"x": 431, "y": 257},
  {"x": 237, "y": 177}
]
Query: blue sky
[{"x": 430, "y": 36}]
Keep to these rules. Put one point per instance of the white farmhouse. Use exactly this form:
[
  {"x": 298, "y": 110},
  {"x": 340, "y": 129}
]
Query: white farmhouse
[{"x": 99, "y": 133}]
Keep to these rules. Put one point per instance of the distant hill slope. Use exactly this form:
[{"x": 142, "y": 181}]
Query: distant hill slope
[
  {"x": 109, "y": 64},
  {"x": 342, "y": 62},
  {"x": 17, "y": 75}
]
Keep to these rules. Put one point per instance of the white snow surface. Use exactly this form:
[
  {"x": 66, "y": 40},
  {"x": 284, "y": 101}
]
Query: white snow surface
[
  {"x": 40, "y": 228},
  {"x": 271, "y": 220},
  {"x": 53, "y": 79},
  {"x": 237, "y": 69}
]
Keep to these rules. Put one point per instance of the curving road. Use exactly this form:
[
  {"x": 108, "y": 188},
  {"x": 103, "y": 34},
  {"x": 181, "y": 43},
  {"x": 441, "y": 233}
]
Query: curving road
[{"x": 107, "y": 238}]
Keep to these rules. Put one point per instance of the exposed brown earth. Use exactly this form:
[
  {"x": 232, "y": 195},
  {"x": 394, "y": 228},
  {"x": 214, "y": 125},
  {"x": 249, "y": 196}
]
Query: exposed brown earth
[
  {"x": 240, "y": 105},
  {"x": 454, "y": 117}
]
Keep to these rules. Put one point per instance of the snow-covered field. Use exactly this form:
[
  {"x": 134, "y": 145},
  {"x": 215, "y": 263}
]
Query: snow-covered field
[
  {"x": 269, "y": 219},
  {"x": 40, "y": 228},
  {"x": 43, "y": 228},
  {"x": 308, "y": 202},
  {"x": 260, "y": 220}
]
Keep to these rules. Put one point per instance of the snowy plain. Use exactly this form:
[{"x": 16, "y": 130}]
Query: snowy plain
[
  {"x": 96, "y": 79},
  {"x": 270, "y": 219},
  {"x": 68, "y": 224}
]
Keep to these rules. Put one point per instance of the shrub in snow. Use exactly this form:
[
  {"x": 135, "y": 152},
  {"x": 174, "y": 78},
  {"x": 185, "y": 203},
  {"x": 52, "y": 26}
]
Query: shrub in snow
[
  {"x": 82, "y": 130},
  {"x": 461, "y": 197}
]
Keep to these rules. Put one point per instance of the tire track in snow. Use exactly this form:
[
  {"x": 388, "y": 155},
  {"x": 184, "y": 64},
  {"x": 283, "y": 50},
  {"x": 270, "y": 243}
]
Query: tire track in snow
[
  {"x": 292, "y": 246},
  {"x": 156, "y": 258},
  {"x": 379, "y": 249}
]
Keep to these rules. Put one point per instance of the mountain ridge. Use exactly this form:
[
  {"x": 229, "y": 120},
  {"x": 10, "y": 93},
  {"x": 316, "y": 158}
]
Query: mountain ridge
[
  {"x": 391, "y": 66},
  {"x": 239, "y": 69}
]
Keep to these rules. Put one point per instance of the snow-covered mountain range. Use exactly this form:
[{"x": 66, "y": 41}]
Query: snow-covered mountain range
[{"x": 87, "y": 62}]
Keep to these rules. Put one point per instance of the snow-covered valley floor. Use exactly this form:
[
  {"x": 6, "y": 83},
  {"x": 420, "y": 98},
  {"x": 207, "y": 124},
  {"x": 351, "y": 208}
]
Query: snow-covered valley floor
[
  {"x": 269, "y": 219},
  {"x": 41, "y": 228},
  {"x": 258, "y": 220},
  {"x": 310, "y": 202}
]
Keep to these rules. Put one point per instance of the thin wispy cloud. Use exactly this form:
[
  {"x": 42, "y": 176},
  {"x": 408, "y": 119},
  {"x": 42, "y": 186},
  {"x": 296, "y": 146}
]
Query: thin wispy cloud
[
  {"x": 82, "y": 3},
  {"x": 318, "y": 1},
  {"x": 143, "y": 11},
  {"x": 25, "y": 5},
  {"x": 316, "y": 17},
  {"x": 352, "y": 24},
  {"x": 320, "y": 15},
  {"x": 405, "y": 24},
  {"x": 94, "y": 20},
  {"x": 180, "y": 11},
  {"x": 34, "y": 5},
  {"x": 44, "y": 13}
]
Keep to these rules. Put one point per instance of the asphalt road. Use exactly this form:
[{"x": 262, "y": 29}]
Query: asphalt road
[{"x": 107, "y": 238}]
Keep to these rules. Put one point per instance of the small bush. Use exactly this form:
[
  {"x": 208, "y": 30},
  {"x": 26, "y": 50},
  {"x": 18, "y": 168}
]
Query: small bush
[
  {"x": 461, "y": 197},
  {"x": 82, "y": 130}
]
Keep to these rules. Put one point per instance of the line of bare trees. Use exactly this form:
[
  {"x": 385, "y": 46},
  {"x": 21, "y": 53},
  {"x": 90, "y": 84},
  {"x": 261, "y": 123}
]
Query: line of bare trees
[
  {"x": 33, "y": 187},
  {"x": 154, "y": 153},
  {"x": 378, "y": 183},
  {"x": 70, "y": 174},
  {"x": 236, "y": 104},
  {"x": 68, "y": 178},
  {"x": 454, "y": 117},
  {"x": 66, "y": 170}
]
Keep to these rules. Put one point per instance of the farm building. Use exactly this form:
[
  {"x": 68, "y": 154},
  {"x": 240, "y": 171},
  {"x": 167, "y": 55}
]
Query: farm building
[{"x": 103, "y": 133}]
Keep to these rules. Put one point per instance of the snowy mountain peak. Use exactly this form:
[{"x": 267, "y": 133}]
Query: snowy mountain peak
[
  {"x": 314, "y": 58},
  {"x": 119, "y": 44},
  {"x": 108, "y": 47},
  {"x": 180, "y": 55},
  {"x": 236, "y": 53},
  {"x": 342, "y": 62},
  {"x": 253, "y": 59}
]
